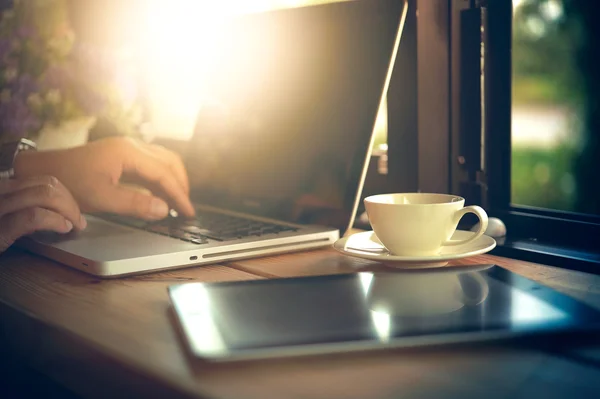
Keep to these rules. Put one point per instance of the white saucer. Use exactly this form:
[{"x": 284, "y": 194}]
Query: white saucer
[{"x": 366, "y": 245}]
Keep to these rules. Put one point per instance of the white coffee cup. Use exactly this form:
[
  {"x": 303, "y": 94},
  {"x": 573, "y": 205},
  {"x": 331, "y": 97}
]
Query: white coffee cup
[{"x": 417, "y": 224}]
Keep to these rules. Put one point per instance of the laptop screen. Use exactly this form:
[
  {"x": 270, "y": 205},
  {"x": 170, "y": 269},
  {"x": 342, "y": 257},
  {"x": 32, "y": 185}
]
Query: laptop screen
[{"x": 291, "y": 101}]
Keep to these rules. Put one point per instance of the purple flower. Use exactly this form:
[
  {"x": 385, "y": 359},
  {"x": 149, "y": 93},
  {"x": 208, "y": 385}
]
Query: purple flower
[
  {"x": 22, "y": 87},
  {"x": 5, "y": 48},
  {"x": 25, "y": 31},
  {"x": 16, "y": 119},
  {"x": 65, "y": 79},
  {"x": 57, "y": 77}
]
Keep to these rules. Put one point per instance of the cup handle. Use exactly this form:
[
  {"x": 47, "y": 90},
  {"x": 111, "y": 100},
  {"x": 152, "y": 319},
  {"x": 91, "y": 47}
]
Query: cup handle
[
  {"x": 483, "y": 223},
  {"x": 474, "y": 288}
]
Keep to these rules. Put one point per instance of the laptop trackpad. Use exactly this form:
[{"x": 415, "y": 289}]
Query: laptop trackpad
[{"x": 96, "y": 228}]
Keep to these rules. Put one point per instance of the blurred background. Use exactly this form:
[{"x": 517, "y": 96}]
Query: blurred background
[
  {"x": 137, "y": 67},
  {"x": 113, "y": 67},
  {"x": 173, "y": 45},
  {"x": 552, "y": 139}
]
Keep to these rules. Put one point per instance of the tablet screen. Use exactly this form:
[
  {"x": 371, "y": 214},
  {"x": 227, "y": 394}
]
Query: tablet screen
[{"x": 362, "y": 310}]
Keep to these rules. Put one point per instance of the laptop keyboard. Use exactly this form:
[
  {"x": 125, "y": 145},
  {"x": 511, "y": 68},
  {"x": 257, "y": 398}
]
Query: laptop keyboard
[{"x": 206, "y": 225}]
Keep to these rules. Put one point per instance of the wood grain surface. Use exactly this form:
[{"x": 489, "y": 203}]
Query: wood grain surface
[{"x": 118, "y": 338}]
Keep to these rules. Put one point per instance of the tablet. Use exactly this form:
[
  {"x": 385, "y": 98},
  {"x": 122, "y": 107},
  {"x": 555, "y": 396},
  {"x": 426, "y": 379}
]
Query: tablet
[{"x": 370, "y": 310}]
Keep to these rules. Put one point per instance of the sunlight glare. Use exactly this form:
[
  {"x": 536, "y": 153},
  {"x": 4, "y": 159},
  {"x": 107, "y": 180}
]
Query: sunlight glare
[
  {"x": 178, "y": 44},
  {"x": 382, "y": 324},
  {"x": 365, "y": 282}
]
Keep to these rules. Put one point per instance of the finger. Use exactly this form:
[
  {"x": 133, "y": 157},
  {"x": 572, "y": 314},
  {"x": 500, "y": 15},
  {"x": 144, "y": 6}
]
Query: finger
[
  {"x": 49, "y": 194},
  {"x": 150, "y": 188},
  {"x": 134, "y": 202},
  {"x": 154, "y": 172},
  {"x": 168, "y": 158},
  {"x": 14, "y": 185},
  {"x": 174, "y": 163},
  {"x": 29, "y": 220}
]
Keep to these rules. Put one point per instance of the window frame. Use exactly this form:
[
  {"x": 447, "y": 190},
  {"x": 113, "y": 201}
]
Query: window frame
[
  {"x": 418, "y": 144},
  {"x": 417, "y": 101}
]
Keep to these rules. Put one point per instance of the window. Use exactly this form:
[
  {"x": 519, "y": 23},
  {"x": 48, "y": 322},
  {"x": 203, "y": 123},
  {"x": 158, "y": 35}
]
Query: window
[
  {"x": 542, "y": 124},
  {"x": 549, "y": 98}
]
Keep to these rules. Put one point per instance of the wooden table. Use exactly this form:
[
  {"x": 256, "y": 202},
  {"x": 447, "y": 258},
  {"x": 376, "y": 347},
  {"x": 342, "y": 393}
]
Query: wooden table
[{"x": 116, "y": 338}]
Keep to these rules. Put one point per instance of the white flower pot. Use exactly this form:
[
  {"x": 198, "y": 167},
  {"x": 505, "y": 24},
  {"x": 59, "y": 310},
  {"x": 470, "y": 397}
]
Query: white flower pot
[{"x": 72, "y": 133}]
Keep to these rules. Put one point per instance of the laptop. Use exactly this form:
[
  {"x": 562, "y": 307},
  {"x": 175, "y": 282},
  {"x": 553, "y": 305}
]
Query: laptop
[{"x": 280, "y": 148}]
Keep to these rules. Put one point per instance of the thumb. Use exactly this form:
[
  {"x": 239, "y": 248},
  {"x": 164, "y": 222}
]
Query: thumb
[{"x": 137, "y": 203}]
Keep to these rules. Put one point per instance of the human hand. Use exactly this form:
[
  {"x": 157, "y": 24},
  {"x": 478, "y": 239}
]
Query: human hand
[
  {"x": 95, "y": 174},
  {"x": 32, "y": 204}
]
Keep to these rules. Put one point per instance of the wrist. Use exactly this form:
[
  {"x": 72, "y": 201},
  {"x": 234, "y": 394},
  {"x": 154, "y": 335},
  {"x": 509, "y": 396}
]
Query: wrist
[
  {"x": 26, "y": 164},
  {"x": 8, "y": 155}
]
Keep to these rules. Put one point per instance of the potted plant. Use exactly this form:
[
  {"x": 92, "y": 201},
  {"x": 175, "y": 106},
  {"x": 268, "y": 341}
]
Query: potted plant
[{"x": 55, "y": 88}]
